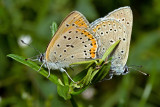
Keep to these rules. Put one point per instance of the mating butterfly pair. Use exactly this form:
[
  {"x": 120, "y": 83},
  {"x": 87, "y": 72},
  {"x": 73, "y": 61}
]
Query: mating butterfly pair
[{"x": 76, "y": 40}]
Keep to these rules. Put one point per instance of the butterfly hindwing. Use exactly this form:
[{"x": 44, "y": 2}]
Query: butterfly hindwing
[
  {"x": 107, "y": 33},
  {"x": 124, "y": 16},
  {"x": 117, "y": 25}
]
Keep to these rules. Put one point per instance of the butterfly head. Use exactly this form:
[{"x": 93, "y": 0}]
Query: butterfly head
[
  {"x": 126, "y": 70},
  {"x": 41, "y": 57},
  {"x": 119, "y": 70}
]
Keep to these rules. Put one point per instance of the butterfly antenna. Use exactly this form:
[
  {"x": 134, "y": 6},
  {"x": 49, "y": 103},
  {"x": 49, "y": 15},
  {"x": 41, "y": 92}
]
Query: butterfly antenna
[
  {"x": 139, "y": 66},
  {"x": 31, "y": 46},
  {"x": 140, "y": 71}
]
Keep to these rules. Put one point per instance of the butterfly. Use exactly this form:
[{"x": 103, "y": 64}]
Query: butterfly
[
  {"x": 117, "y": 25},
  {"x": 71, "y": 43}
]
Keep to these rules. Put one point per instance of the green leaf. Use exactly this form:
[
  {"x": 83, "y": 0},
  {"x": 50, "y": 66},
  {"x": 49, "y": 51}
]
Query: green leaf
[
  {"x": 93, "y": 74},
  {"x": 84, "y": 62},
  {"x": 63, "y": 91},
  {"x": 79, "y": 91},
  {"x": 34, "y": 66},
  {"x": 60, "y": 82},
  {"x": 109, "y": 50},
  {"x": 80, "y": 75},
  {"x": 54, "y": 28},
  {"x": 104, "y": 71},
  {"x": 65, "y": 78},
  {"x": 86, "y": 79}
]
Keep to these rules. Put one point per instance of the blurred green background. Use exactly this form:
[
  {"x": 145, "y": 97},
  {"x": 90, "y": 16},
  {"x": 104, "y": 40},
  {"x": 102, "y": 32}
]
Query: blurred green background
[{"x": 20, "y": 86}]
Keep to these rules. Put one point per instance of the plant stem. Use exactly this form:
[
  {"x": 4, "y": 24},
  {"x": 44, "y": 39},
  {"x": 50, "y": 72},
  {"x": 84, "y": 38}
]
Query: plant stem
[{"x": 74, "y": 104}]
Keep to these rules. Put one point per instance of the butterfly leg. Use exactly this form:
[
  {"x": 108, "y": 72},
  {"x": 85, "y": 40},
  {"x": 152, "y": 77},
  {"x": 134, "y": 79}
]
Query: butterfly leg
[
  {"x": 110, "y": 77},
  {"x": 41, "y": 66},
  {"x": 63, "y": 70},
  {"x": 71, "y": 68}
]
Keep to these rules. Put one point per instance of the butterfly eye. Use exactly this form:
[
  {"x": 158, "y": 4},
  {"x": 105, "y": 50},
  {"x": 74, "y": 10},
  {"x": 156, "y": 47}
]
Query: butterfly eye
[
  {"x": 125, "y": 70},
  {"x": 41, "y": 58}
]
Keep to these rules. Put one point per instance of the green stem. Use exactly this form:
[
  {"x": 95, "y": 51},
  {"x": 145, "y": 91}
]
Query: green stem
[{"x": 74, "y": 104}]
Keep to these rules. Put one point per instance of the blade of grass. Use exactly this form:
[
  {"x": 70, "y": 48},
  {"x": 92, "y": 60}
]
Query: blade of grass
[
  {"x": 54, "y": 28},
  {"x": 86, "y": 79},
  {"x": 34, "y": 66},
  {"x": 109, "y": 50}
]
